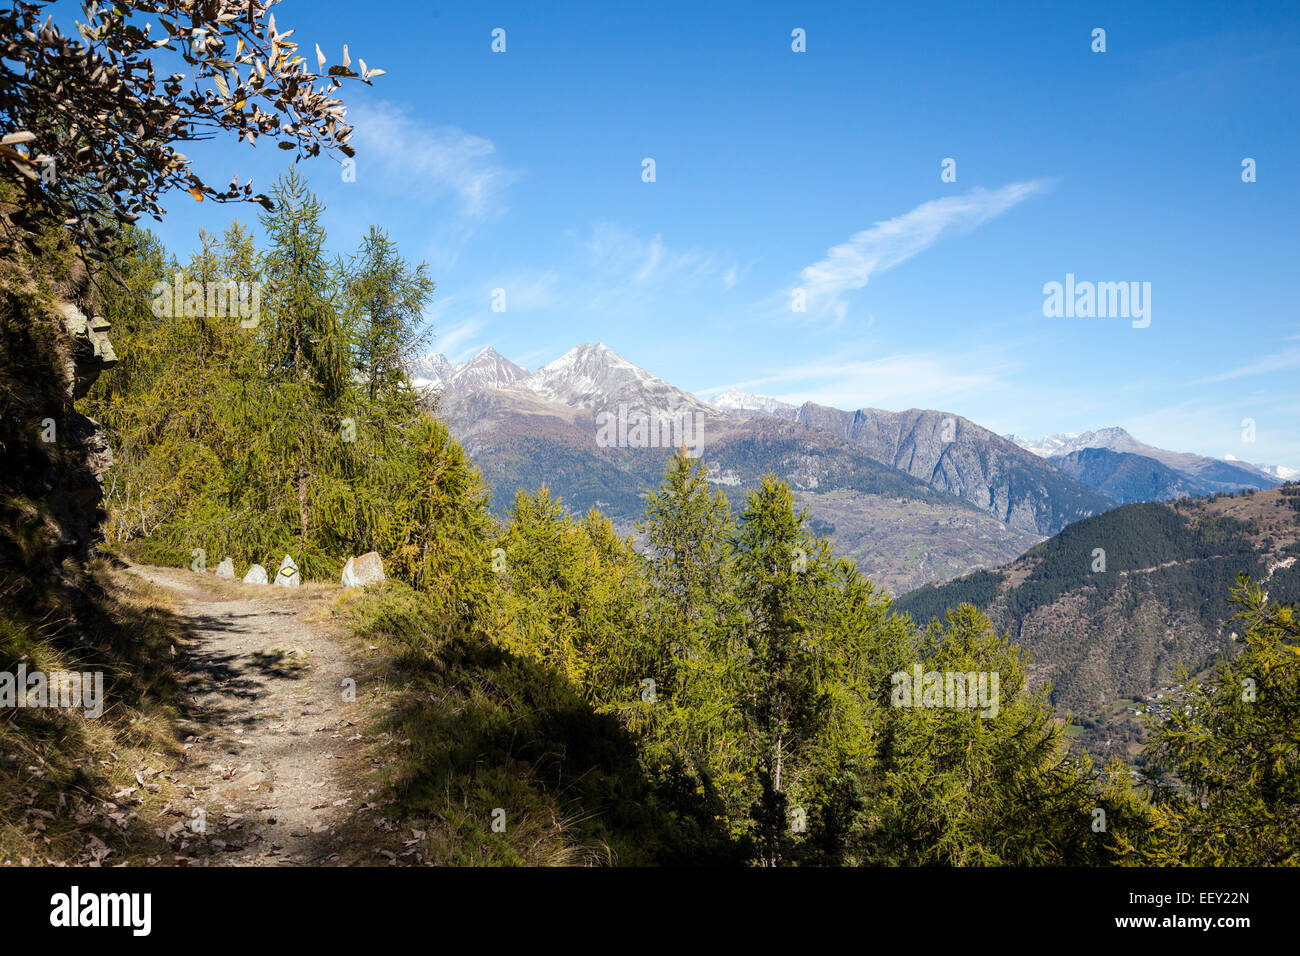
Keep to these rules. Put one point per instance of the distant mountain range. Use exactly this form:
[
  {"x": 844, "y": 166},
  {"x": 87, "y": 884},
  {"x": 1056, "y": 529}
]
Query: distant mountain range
[
  {"x": 914, "y": 496},
  {"x": 560, "y": 426},
  {"x": 1135, "y": 471},
  {"x": 1114, "y": 604},
  {"x": 734, "y": 400}
]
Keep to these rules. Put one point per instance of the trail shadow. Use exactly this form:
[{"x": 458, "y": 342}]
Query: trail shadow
[
  {"x": 207, "y": 669},
  {"x": 281, "y": 661},
  {"x": 53, "y": 762}
]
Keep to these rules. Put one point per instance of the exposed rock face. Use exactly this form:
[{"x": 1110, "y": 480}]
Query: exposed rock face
[
  {"x": 54, "y": 456},
  {"x": 226, "y": 569},
  {"x": 955, "y": 455},
  {"x": 91, "y": 350},
  {"x": 287, "y": 576},
  {"x": 365, "y": 570},
  {"x": 89, "y": 354},
  {"x": 256, "y": 575}
]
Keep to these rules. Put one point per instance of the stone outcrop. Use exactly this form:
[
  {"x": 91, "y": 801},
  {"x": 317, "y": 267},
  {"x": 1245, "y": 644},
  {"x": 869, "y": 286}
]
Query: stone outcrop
[
  {"x": 53, "y": 347},
  {"x": 363, "y": 571},
  {"x": 91, "y": 350},
  {"x": 89, "y": 354},
  {"x": 287, "y": 576}
]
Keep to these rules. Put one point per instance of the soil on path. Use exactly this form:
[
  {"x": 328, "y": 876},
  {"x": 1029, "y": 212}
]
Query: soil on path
[{"x": 273, "y": 751}]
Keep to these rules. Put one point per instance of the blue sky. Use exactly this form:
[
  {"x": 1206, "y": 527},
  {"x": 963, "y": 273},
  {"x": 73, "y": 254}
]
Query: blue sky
[{"x": 820, "y": 171}]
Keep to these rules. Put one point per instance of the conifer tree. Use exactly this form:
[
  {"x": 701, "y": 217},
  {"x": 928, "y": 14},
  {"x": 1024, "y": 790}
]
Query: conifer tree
[
  {"x": 446, "y": 528},
  {"x": 687, "y": 527},
  {"x": 387, "y": 296},
  {"x": 307, "y": 341},
  {"x": 969, "y": 784},
  {"x": 1231, "y": 744},
  {"x": 690, "y": 643},
  {"x": 781, "y": 701},
  {"x": 569, "y": 598}
]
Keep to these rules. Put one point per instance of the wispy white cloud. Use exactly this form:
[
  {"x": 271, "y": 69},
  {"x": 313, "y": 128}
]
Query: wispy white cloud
[
  {"x": 1283, "y": 361},
  {"x": 851, "y": 265},
  {"x": 627, "y": 257},
  {"x": 604, "y": 271},
  {"x": 895, "y": 381},
  {"x": 608, "y": 269},
  {"x": 527, "y": 291},
  {"x": 427, "y": 160},
  {"x": 460, "y": 340}
]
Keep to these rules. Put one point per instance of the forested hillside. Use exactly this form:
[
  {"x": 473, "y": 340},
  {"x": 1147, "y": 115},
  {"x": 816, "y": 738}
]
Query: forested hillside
[{"x": 1113, "y": 605}]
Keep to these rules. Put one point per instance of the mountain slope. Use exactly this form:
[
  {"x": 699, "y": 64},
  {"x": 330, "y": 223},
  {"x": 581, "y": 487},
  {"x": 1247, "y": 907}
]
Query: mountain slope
[
  {"x": 430, "y": 371},
  {"x": 1128, "y": 478},
  {"x": 487, "y": 369},
  {"x": 1207, "y": 474},
  {"x": 1102, "y": 637},
  {"x": 551, "y": 428},
  {"x": 955, "y": 455}
]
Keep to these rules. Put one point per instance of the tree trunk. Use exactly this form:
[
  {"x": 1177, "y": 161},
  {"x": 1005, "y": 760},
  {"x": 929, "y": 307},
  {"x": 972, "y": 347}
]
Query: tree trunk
[{"x": 302, "y": 499}]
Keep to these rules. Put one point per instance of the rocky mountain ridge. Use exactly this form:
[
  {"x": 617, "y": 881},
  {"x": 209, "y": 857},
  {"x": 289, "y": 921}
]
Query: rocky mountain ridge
[
  {"x": 1211, "y": 474},
  {"x": 914, "y": 496}
]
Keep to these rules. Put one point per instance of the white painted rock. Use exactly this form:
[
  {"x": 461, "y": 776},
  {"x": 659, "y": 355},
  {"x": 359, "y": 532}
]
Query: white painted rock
[
  {"x": 287, "y": 576},
  {"x": 226, "y": 569},
  {"x": 367, "y": 569},
  {"x": 256, "y": 575}
]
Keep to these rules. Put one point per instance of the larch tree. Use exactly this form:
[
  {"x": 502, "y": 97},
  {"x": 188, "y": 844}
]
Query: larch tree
[
  {"x": 781, "y": 701},
  {"x": 1228, "y": 749}
]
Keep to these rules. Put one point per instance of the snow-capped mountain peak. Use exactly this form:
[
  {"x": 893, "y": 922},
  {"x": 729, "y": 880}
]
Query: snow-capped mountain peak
[
  {"x": 586, "y": 376},
  {"x": 1064, "y": 443},
  {"x": 430, "y": 371},
  {"x": 488, "y": 369},
  {"x": 586, "y": 363},
  {"x": 1280, "y": 472},
  {"x": 595, "y": 376},
  {"x": 733, "y": 399}
]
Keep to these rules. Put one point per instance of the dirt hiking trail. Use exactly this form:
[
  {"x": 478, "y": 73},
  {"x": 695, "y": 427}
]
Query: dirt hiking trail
[{"x": 272, "y": 748}]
